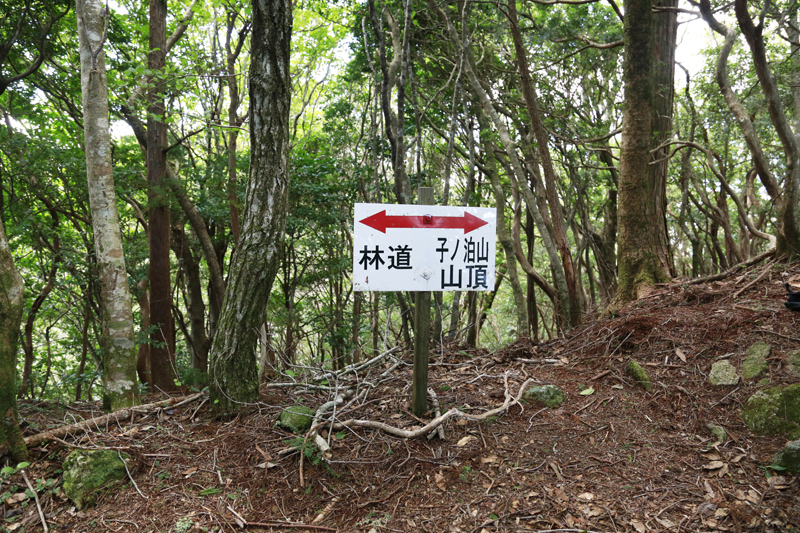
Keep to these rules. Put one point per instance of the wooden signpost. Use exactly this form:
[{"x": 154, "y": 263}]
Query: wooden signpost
[{"x": 423, "y": 248}]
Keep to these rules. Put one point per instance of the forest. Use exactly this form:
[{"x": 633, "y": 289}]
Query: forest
[{"x": 200, "y": 224}]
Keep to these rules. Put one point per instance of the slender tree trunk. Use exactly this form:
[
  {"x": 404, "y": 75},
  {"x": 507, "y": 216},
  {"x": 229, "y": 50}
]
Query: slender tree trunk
[
  {"x": 505, "y": 238},
  {"x": 472, "y": 319},
  {"x": 234, "y": 122},
  {"x": 232, "y": 362},
  {"x": 162, "y": 355},
  {"x": 116, "y": 338},
  {"x": 26, "y": 384},
  {"x": 551, "y": 192},
  {"x": 788, "y": 210},
  {"x": 533, "y": 313},
  {"x": 87, "y": 315},
  {"x": 195, "y": 307},
  {"x": 11, "y": 303}
]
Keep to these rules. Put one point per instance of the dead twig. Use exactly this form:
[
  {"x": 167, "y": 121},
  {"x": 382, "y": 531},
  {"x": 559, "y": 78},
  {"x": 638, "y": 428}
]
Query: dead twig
[
  {"x": 35, "y": 497},
  {"x": 125, "y": 464}
]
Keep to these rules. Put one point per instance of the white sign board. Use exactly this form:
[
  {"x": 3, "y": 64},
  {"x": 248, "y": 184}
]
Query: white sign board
[{"x": 423, "y": 248}]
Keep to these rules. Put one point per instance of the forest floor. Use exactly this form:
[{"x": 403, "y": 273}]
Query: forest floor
[{"x": 611, "y": 459}]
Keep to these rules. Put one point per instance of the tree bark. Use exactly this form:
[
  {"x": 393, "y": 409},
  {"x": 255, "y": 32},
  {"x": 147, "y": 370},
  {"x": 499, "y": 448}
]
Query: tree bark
[
  {"x": 116, "y": 338},
  {"x": 162, "y": 340},
  {"x": 11, "y": 302},
  {"x": 642, "y": 256},
  {"x": 232, "y": 362}
]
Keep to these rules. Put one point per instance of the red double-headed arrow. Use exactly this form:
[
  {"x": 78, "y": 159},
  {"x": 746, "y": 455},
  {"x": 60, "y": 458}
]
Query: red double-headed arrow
[{"x": 381, "y": 221}]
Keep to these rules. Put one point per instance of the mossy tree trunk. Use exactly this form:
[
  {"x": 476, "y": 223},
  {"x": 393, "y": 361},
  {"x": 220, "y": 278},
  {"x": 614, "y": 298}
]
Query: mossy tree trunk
[
  {"x": 643, "y": 246},
  {"x": 117, "y": 339},
  {"x": 11, "y": 302},
  {"x": 233, "y": 370}
]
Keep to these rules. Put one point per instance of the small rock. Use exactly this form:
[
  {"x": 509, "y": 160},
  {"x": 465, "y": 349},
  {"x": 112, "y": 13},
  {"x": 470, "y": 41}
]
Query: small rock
[
  {"x": 718, "y": 432},
  {"x": 723, "y": 373},
  {"x": 640, "y": 376},
  {"x": 788, "y": 458},
  {"x": 549, "y": 395},
  {"x": 297, "y": 418},
  {"x": 87, "y": 471},
  {"x": 755, "y": 364}
]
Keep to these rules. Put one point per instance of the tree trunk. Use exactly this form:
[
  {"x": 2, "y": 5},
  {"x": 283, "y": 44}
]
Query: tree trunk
[
  {"x": 234, "y": 121},
  {"x": 503, "y": 235},
  {"x": 26, "y": 385},
  {"x": 642, "y": 256},
  {"x": 116, "y": 338},
  {"x": 11, "y": 302},
  {"x": 232, "y": 362},
  {"x": 556, "y": 212},
  {"x": 787, "y": 209},
  {"x": 162, "y": 355},
  {"x": 195, "y": 307}
]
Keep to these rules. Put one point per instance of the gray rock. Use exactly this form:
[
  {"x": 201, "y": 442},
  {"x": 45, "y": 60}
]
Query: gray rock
[
  {"x": 755, "y": 364},
  {"x": 88, "y": 471},
  {"x": 297, "y": 418},
  {"x": 723, "y": 373},
  {"x": 788, "y": 459},
  {"x": 774, "y": 411},
  {"x": 548, "y": 395}
]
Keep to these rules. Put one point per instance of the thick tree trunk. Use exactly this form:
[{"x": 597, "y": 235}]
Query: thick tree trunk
[
  {"x": 162, "y": 354},
  {"x": 116, "y": 338},
  {"x": 642, "y": 257},
  {"x": 11, "y": 303},
  {"x": 232, "y": 362}
]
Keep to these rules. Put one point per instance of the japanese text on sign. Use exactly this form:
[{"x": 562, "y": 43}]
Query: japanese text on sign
[{"x": 423, "y": 248}]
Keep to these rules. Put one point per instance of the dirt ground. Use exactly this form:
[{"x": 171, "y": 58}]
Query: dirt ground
[{"x": 611, "y": 458}]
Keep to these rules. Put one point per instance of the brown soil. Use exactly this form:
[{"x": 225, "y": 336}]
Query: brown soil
[{"x": 617, "y": 460}]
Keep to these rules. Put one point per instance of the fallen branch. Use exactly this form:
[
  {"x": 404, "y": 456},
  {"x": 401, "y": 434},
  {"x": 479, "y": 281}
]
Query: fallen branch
[
  {"x": 766, "y": 271},
  {"x": 731, "y": 271},
  {"x": 296, "y": 525},
  {"x": 115, "y": 417}
]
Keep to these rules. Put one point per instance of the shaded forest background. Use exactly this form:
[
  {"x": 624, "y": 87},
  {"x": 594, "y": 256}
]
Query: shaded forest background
[{"x": 493, "y": 104}]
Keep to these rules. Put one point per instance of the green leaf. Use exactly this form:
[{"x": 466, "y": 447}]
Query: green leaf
[
  {"x": 587, "y": 392},
  {"x": 23, "y": 465}
]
